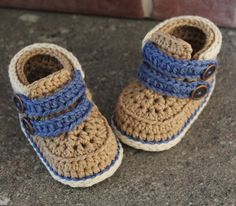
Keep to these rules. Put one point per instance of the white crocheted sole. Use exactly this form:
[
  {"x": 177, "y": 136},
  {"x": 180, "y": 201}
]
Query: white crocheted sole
[
  {"x": 164, "y": 145},
  {"x": 84, "y": 182},
  {"x": 94, "y": 180}
]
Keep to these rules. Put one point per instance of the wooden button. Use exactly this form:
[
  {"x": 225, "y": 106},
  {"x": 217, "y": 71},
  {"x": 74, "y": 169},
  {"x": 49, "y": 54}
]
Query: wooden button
[
  {"x": 18, "y": 103},
  {"x": 208, "y": 72},
  {"x": 27, "y": 125},
  {"x": 199, "y": 92}
]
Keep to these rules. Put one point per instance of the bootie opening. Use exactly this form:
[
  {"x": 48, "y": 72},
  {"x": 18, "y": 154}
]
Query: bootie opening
[
  {"x": 192, "y": 35},
  {"x": 36, "y": 64},
  {"x": 40, "y": 66},
  {"x": 199, "y": 39}
]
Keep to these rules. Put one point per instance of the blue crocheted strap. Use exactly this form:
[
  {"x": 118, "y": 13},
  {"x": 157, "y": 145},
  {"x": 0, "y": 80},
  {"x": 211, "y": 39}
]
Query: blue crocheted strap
[
  {"x": 57, "y": 102},
  {"x": 160, "y": 61},
  {"x": 167, "y": 85},
  {"x": 62, "y": 123}
]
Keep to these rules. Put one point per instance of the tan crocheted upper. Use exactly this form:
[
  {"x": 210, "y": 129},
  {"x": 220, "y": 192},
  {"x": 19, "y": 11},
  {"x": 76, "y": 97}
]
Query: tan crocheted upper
[
  {"x": 150, "y": 116},
  {"x": 91, "y": 146}
]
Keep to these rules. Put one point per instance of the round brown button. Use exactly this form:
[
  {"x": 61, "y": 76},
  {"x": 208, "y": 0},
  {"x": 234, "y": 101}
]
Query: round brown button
[
  {"x": 18, "y": 103},
  {"x": 208, "y": 72},
  {"x": 27, "y": 125},
  {"x": 199, "y": 92}
]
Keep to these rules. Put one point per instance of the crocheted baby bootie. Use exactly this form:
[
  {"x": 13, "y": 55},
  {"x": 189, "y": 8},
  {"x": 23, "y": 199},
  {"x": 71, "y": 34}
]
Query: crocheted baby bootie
[
  {"x": 175, "y": 82},
  {"x": 59, "y": 118}
]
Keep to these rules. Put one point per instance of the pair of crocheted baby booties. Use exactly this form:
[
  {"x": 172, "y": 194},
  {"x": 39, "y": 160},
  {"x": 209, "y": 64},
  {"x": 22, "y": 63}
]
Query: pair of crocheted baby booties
[{"x": 69, "y": 134}]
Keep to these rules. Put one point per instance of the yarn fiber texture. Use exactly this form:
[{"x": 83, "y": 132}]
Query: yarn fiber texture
[
  {"x": 167, "y": 85},
  {"x": 146, "y": 114},
  {"x": 43, "y": 75}
]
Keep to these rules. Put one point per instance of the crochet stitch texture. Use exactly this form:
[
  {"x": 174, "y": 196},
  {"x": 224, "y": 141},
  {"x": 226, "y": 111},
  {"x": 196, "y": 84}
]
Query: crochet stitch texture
[
  {"x": 57, "y": 102},
  {"x": 165, "y": 84},
  {"x": 154, "y": 112},
  {"x": 69, "y": 134}
]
